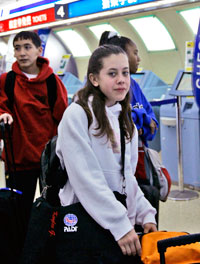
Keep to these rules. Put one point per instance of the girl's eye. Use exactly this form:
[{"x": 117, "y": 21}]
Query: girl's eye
[
  {"x": 112, "y": 74},
  {"x": 126, "y": 73}
]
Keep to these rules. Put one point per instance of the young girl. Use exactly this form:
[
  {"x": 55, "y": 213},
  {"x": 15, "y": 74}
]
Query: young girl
[
  {"x": 142, "y": 112},
  {"x": 88, "y": 146}
]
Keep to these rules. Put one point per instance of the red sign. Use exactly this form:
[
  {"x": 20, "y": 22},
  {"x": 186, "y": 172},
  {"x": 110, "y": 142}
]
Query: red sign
[{"x": 33, "y": 19}]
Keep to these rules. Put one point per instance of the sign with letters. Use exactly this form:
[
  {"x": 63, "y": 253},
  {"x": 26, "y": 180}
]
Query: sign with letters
[
  {"x": 86, "y": 7},
  {"x": 32, "y": 19},
  {"x": 71, "y": 9},
  {"x": 44, "y": 34},
  {"x": 196, "y": 68}
]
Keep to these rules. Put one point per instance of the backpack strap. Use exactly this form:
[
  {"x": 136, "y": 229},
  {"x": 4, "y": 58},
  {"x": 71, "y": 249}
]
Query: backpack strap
[
  {"x": 9, "y": 88},
  {"x": 51, "y": 89}
]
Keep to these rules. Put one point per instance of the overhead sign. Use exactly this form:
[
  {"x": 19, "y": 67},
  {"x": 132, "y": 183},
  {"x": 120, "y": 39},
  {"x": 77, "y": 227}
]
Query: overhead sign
[
  {"x": 86, "y": 7},
  {"x": 32, "y": 19},
  {"x": 18, "y": 9},
  {"x": 196, "y": 68},
  {"x": 61, "y": 11},
  {"x": 71, "y": 8},
  {"x": 44, "y": 34}
]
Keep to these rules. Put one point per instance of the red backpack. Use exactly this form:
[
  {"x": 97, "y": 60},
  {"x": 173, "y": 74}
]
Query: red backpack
[{"x": 151, "y": 171}]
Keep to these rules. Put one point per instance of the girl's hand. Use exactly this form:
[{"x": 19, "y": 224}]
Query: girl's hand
[
  {"x": 150, "y": 227},
  {"x": 130, "y": 244},
  {"x": 140, "y": 132},
  {"x": 153, "y": 126},
  {"x": 6, "y": 118}
]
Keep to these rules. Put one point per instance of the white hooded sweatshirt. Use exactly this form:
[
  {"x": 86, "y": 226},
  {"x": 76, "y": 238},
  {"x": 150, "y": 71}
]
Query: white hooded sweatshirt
[{"x": 94, "y": 171}]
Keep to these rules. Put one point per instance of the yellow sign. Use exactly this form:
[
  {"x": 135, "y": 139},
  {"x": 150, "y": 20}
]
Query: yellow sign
[
  {"x": 189, "y": 50},
  {"x": 63, "y": 64}
]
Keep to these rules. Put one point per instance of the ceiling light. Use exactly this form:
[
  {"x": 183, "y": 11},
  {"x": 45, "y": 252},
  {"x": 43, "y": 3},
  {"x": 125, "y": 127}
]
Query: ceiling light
[
  {"x": 99, "y": 29},
  {"x": 192, "y": 17},
  {"x": 153, "y": 33},
  {"x": 74, "y": 42}
]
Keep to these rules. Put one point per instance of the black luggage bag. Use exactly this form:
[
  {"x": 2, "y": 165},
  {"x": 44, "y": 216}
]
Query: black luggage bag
[{"x": 12, "y": 228}]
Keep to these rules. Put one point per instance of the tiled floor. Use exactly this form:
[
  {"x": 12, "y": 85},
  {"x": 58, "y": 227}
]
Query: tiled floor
[
  {"x": 180, "y": 215},
  {"x": 173, "y": 215}
]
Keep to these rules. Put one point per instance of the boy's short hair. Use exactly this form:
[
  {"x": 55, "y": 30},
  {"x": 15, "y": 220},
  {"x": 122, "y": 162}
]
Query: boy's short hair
[{"x": 28, "y": 35}]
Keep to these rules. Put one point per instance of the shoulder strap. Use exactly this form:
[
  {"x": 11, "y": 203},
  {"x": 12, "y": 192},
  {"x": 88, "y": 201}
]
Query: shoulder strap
[
  {"x": 9, "y": 87},
  {"x": 51, "y": 90},
  {"x": 122, "y": 138}
]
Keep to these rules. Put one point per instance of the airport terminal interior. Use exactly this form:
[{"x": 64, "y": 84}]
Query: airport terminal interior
[{"x": 165, "y": 32}]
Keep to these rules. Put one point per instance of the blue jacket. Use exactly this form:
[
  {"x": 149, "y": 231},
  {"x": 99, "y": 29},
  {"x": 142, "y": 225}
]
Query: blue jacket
[{"x": 142, "y": 112}]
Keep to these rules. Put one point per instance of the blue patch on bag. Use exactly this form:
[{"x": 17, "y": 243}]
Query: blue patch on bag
[{"x": 70, "y": 220}]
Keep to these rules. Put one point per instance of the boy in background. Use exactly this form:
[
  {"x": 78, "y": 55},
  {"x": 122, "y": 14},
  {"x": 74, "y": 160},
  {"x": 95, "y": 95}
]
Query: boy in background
[{"x": 33, "y": 121}]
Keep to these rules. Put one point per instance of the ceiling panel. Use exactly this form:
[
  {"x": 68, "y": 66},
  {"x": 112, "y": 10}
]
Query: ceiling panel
[{"x": 4, "y": 3}]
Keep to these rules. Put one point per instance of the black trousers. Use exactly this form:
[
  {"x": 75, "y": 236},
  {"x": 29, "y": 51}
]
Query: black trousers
[{"x": 26, "y": 182}]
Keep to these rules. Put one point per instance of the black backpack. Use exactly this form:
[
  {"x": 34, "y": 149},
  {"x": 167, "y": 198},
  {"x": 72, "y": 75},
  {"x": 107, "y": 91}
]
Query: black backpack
[
  {"x": 52, "y": 176},
  {"x": 51, "y": 89}
]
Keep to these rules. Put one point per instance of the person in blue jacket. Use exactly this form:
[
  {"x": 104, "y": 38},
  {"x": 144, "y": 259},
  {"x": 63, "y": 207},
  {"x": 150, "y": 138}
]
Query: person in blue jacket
[{"x": 142, "y": 112}]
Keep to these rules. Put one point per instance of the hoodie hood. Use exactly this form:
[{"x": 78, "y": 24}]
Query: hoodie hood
[{"x": 44, "y": 73}]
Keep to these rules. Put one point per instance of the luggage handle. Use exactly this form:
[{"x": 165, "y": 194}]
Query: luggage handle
[
  {"x": 3, "y": 128},
  {"x": 175, "y": 241}
]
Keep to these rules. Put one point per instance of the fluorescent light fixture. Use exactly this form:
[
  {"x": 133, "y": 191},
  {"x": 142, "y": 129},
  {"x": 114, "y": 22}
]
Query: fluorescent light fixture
[
  {"x": 99, "y": 29},
  {"x": 153, "y": 33},
  {"x": 74, "y": 42},
  {"x": 192, "y": 17},
  {"x": 3, "y": 48}
]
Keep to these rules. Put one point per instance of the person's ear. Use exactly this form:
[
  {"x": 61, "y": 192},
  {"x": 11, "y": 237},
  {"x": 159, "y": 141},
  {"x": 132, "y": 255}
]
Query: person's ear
[
  {"x": 40, "y": 49},
  {"x": 93, "y": 79}
]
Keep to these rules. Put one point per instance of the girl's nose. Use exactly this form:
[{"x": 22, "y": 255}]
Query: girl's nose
[{"x": 121, "y": 78}]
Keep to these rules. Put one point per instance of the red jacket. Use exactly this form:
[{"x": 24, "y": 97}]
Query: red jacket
[{"x": 34, "y": 123}]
